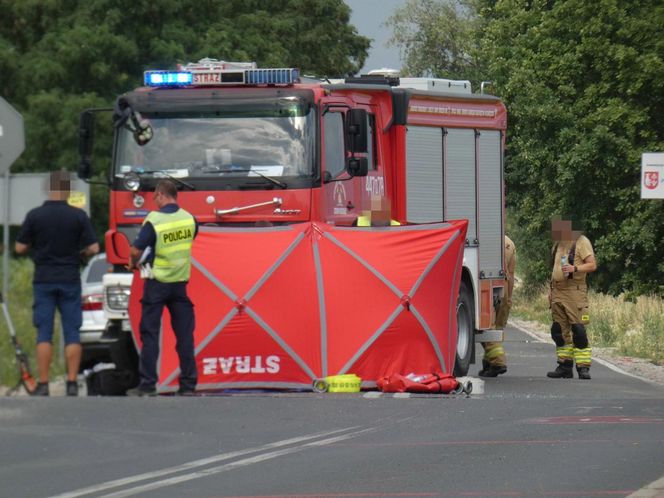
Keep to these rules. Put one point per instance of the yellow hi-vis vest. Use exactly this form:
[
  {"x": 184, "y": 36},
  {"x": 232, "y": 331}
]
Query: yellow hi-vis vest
[
  {"x": 175, "y": 234},
  {"x": 365, "y": 221}
]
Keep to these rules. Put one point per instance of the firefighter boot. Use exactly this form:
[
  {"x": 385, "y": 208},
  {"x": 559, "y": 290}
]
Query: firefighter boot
[
  {"x": 583, "y": 373},
  {"x": 493, "y": 371},
  {"x": 485, "y": 367},
  {"x": 562, "y": 371}
]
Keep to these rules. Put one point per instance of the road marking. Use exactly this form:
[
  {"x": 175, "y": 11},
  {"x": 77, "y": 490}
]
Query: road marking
[
  {"x": 233, "y": 465},
  {"x": 194, "y": 464},
  {"x": 606, "y": 419}
]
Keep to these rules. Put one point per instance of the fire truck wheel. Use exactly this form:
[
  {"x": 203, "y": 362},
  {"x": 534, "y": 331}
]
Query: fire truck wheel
[{"x": 465, "y": 314}]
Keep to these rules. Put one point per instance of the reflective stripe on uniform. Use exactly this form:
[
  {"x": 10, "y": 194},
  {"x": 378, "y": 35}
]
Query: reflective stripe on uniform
[
  {"x": 494, "y": 353},
  {"x": 582, "y": 357},
  {"x": 565, "y": 353}
]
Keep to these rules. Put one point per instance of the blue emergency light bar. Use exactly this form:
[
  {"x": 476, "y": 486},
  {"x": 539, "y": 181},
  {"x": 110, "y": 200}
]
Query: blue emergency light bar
[
  {"x": 213, "y": 77},
  {"x": 167, "y": 78},
  {"x": 281, "y": 76}
]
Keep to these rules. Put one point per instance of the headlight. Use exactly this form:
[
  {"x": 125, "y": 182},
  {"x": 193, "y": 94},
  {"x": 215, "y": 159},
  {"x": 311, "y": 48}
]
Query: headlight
[
  {"x": 132, "y": 181},
  {"x": 117, "y": 298}
]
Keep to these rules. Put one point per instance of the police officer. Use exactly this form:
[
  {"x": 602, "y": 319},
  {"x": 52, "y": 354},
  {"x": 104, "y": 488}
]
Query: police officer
[
  {"x": 494, "y": 362},
  {"x": 573, "y": 260},
  {"x": 169, "y": 233}
]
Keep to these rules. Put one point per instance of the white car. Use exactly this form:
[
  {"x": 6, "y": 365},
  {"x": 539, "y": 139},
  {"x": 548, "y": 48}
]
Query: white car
[{"x": 92, "y": 288}]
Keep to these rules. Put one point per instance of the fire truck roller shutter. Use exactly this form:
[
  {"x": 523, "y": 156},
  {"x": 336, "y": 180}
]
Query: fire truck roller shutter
[
  {"x": 460, "y": 192},
  {"x": 490, "y": 202},
  {"x": 424, "y": 174}
]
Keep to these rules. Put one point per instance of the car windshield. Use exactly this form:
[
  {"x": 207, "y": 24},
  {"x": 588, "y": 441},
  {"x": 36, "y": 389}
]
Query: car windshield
[
  {"x": 275, "y": 139},
  {"x": 97, "y": 269}
]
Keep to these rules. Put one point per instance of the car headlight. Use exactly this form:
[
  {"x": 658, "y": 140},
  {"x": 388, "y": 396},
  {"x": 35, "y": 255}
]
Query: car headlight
[{"x": 117, "y": 298}]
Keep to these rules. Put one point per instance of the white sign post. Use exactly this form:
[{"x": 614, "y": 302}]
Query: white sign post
[{"x": 652, "y": 175}]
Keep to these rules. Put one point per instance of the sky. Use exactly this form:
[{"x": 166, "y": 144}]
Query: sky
[{"x": 368, "y": 16}]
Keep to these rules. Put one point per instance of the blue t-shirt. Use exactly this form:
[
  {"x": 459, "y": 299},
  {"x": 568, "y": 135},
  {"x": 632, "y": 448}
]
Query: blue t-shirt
[{"x": 57, "y": 233}]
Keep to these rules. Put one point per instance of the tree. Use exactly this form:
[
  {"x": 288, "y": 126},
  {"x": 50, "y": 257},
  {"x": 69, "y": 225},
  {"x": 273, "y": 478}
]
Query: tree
[
  {"x": 58, "y": 57},
  {"x": 438, "y": 39},
  {"x": 585, "y": 97}
]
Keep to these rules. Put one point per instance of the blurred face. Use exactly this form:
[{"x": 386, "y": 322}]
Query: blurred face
[
  {"x": 59, "y": 184},
  {"x": 380, "y": 209},
  {"x": 561, "y": 230}
]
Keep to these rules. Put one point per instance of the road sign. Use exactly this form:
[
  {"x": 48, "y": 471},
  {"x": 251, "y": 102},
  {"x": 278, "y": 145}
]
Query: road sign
[
  {"x": 652, "y": 175},
  {"x": 30, "y": 190},
  {"x": 12, "y": 136}
]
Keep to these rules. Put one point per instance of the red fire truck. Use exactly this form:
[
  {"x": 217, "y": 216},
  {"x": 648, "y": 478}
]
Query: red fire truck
[{"x": 254, "y": 151}]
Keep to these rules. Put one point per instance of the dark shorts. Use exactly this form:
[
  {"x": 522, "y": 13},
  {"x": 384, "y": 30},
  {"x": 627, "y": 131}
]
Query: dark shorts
[{"x": 66, "y": 297}]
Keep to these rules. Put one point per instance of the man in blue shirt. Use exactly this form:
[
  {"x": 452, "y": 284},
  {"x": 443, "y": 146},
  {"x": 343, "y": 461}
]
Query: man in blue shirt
[{"x": 57, "y": 235}]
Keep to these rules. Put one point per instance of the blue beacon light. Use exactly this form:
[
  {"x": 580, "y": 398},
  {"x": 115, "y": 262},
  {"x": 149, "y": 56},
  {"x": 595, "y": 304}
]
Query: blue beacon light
[{"x": 168, "y": 78}]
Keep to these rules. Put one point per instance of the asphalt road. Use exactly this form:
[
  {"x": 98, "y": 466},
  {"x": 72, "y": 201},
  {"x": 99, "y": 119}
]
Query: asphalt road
[{"x": 523, "y": 436}]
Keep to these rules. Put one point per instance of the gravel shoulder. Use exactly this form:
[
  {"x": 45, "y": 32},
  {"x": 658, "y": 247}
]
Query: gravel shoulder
[{"x": 638, "y": 367}]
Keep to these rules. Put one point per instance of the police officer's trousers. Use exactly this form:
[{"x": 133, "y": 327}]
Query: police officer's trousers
[{"x": 173, "y": 296}]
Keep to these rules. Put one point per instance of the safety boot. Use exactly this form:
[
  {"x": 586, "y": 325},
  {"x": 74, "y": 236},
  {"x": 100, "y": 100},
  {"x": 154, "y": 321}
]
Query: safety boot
[
  {"x": 493, "y": 371},
  {"x": 583, "y": 372},
  {"x": 562, "y": 371},
  {"x": 485, "y": 367},
  {"x": 41, "y": 389},
  {"x": 72, "y": 388}
]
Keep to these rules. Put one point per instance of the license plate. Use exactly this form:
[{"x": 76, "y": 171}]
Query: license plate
[{"x": 126, "y": 326}]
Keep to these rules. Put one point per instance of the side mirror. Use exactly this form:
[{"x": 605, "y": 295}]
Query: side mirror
[
  {"x": 357, "y": 166},
  {"x": 85, "y": 143},
  {"x": 125, "y": 116},
  {"x": 121, "y": 245},
  {"x": 357, "y": 130}
]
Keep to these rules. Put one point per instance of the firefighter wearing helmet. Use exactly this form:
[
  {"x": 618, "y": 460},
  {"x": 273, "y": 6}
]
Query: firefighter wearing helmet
[
  {"x": 568, "y": 298},
  {"x": 494, "y": 362}
]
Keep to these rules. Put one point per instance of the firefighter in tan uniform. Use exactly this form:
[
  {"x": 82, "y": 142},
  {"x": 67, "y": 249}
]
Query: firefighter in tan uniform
[
  {"x": 573, "y": 260},
  {"x": 494, "y": 362}
]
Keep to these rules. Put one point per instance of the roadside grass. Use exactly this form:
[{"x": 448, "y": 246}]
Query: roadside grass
[
  {"x": 631, "y": 328},
  {"x": 19, "y": 303}
]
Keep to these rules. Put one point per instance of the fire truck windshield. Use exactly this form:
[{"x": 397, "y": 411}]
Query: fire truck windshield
[{"x": 234, "y": 144}]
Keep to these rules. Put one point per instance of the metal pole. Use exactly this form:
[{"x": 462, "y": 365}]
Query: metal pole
[{"x": 5, "y": 240}]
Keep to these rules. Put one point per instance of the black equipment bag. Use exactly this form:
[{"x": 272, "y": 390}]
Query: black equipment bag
[{"x": 110, "y": 382}]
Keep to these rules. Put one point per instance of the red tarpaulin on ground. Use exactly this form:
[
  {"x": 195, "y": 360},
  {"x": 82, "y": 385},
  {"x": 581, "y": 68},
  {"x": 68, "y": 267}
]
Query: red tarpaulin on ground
[{"x": 282, "y": 306}]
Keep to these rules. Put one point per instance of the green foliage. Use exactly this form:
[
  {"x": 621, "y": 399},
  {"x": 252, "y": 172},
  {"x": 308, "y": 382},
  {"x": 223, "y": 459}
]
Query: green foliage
[
  {"x": 58, "y": 57},
  {"x": 585, "y": 97},
  {"x": 585, "y": 100},
  {"x": 631, "y": 327},
  {"x": 19, "y": 304},
  {"x": 437, "y": 39}
]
